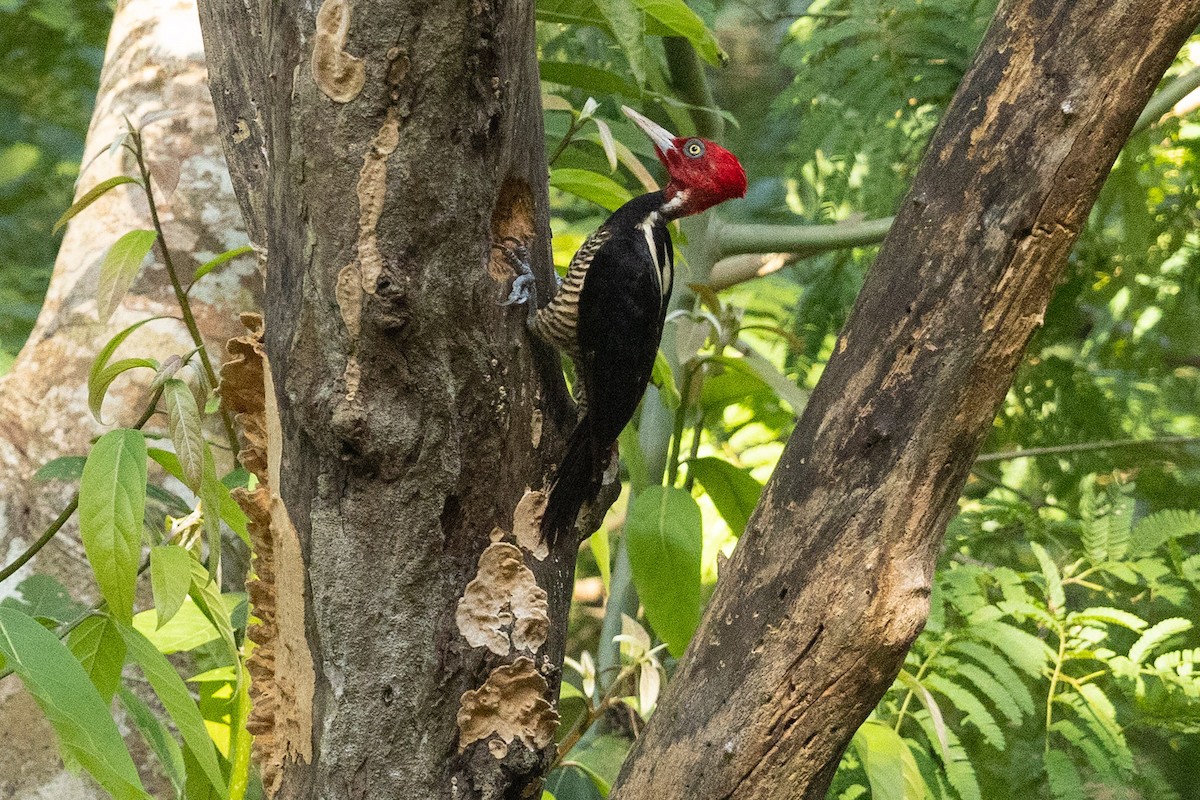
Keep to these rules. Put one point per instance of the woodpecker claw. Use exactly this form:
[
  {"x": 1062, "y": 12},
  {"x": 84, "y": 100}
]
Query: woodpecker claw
[{"x": 524, "y": 286}]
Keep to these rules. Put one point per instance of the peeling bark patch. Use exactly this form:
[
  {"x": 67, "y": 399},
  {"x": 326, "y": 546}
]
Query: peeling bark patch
[
  {"x": 511, "y": 705},
  {"x": 337, "y": 73},
  {"x": 281, "y": 669},
  {"x": 512, "y": 216},
  {"x": 527, "y": 524},
  {"x": 372, "y": 187},
  {"x": 503, "y": 608}
]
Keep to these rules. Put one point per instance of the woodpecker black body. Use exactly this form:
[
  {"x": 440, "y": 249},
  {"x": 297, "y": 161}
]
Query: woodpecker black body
[{"x": 608, "y": 314}]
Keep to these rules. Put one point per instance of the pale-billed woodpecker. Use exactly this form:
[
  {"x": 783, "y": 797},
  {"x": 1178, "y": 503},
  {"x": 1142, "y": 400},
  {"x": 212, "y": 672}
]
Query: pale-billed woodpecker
[{"x": 610, "y": 308}]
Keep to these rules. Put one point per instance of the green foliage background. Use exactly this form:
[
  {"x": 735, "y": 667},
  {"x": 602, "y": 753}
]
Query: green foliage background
[{"x": 1059, "y": 658}]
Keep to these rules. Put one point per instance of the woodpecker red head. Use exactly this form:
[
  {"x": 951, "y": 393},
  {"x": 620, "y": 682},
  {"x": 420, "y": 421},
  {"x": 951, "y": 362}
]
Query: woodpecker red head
[{"x": 703, "y": 173}]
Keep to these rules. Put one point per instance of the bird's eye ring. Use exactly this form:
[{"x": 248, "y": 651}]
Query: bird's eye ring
[{"x": 694, "y": 148}]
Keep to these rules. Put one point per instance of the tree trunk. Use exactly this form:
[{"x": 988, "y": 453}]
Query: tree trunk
[
  {"x": 830, "y": 584},
  {"x": 154, "y": 62},
  {"x": 379, "y": 149}
]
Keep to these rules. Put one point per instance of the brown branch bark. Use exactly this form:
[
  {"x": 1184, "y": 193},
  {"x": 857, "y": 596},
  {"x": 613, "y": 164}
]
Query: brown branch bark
[
  {"x": 379, "y": 149},
  {"x": 830, "y": 584}
]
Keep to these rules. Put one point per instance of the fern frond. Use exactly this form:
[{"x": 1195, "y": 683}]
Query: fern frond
[
  {"x": 1000, "y": 669},
  {"x": 1157, "y": 635},
  {"x": 1027, "y": 652},
  {"x": 1063, "y": 778},
  {"x": 1109, "y": 616},
  {"x": 960, "y": 772},
  {"x": 976, "y": 713},
  {"x": 1162, "y": 526},
  {"x": 991, "y": 689}
]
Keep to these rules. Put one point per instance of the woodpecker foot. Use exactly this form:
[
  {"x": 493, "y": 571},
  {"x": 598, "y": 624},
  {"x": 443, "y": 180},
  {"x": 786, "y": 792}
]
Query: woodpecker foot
[{"x": 524, "y": 287}]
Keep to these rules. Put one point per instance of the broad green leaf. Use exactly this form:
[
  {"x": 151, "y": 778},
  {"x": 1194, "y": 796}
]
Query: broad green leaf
[
  {"x": 225, "y": 257},
  {"x": 628, "y": 25},
  {"x": 664, "y": 379},
  {"x": 155, "y": 733},
  {"x": 734, "y": 491},
  {"x": 112, "y": 504},
  {"x": 635, "y": 461},
  {"x": 665, "y": 538},
  {"x": 586, "y": 77},
  {"x": 183, "y": 422},
  {"x": 101, "y": 375},
  {"x": 63, "y": 468},
  {"x": 98, "y": 645},
  {"x": 188, "y": 629},
  {"x": 679, "y": 20},
  {"x": 119, "y": 268},
  {"x": 602, "y": 786},
  {"x": 178, "y": 702},
  {"x": 110, "y": 373},
  {"x": 891, "y": 769},
  {"x": 603, "y": 555},
  {"x": 783, "y": 386},
  {"x": 592, "y": 186},
  {"x": 89, "y": 197},
  {"x": 215, "y": 606},
  {"x": 170, "y": 578},
  {"x": 44, "y": 598},
  {"x": 81, "y": 720}
]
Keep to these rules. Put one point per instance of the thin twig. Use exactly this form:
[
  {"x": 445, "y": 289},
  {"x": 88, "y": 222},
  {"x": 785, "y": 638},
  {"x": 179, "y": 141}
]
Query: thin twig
[
  {"x": 1085, "y": 447},
  {"x": 185, "y": 306}
]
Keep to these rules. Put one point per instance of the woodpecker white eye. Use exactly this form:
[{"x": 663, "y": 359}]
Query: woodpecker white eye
[{"x": 694, "y": 148}]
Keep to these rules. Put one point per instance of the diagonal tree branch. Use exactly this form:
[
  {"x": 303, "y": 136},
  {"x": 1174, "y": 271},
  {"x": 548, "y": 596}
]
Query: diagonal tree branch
[{"x": 829, "y": 586}]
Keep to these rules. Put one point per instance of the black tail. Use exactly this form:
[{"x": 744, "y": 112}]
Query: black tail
[{"x": 577, "y": 481}]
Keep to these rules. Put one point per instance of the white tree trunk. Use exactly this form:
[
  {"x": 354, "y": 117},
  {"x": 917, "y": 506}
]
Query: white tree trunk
[{"x": 154, "y": 61}]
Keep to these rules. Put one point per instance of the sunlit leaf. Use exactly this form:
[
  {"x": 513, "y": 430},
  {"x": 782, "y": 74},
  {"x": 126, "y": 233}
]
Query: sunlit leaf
[
  {"x": 89, "y": 197},
  {"x": 592, "y": 186},
  {"x": 160, "y": 740},
  {"x": 223, "y": 258},
  {"x": 664, "y": 536},
  {"x": 733, "y": 491},
  {"x": 183, "y": 421},
  {"x": 174, "y": 695},
  {"x": 112, "y": 503},
  {"x": 170, "y": 579},
  {"x": 97, "y": 644},
  {"x": 890, "y": 766},
  {"x": 102, "y": 373},
  {"x": 85, "y": 730},
  {"x": 119, "y": 268}
]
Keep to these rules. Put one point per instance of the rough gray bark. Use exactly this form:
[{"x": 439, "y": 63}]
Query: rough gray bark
[
  {"x": 154, "y": 62},
  {"x": 830, "y": 583},
  {"x": 378, "y": 149}
]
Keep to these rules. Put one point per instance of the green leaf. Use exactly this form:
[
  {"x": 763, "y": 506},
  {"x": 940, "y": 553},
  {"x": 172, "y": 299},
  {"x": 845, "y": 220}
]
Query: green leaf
[
  {"x": 98, "y": 645},
  {"x": 1111, "y": 616},
  {"x": 734, "y": 491},
  {"x": 1065, "y": 781},
  {"x": 965, "y": 701},
  {"x": 227, "y": 256},
  {"x": 783, "y": 386},
  {"x": 216, "y": 607},
  {"x": 1157, "y": 635},
  {"x": 44, "y": 598},
  {"x": 591, "y": 79},
  {"x": 891, "y": 769},
  {"x": 211, "y": 492},
  {"x": 603, "y": 555},
  {"x": 112, "y": 504},
  {"x": 155, "y": 733},
  {"x": 187, "y": 629},
  {"x": 663, "y": 378},
  {"x": 102, "y": 373},
  {"x": 183, "y": 422},
  {"x": 664, "y": 533},
  {"x": 178, "y": 702},
  {"x": 91, "y": 196},
  {"x": 63, "y": 468},
  {"x": 86, "y": 732},
  {"x": 170, "y": 578},
  {"x": 628, "y": 26},
  {"x": 679, "y": 20},
  {"x": 937, "y": 721},
  {"x": 1054, "y": 587},
  {"x": 592, "y": 186},
  {"x": 1153, "y": 531},
  {"x": 230, "y": 511},
  {"x": 119, "y": 268}
]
